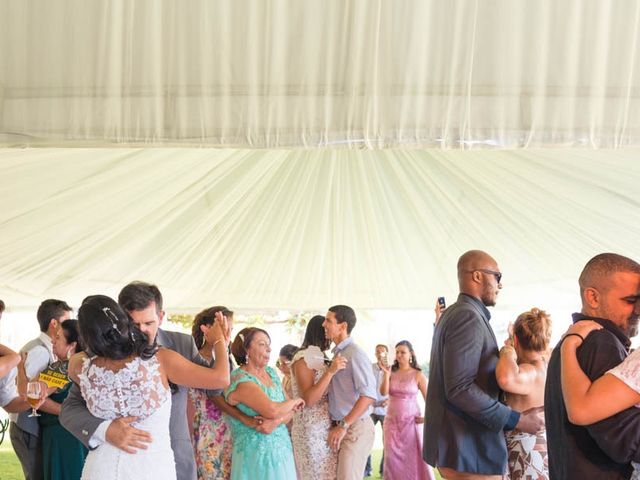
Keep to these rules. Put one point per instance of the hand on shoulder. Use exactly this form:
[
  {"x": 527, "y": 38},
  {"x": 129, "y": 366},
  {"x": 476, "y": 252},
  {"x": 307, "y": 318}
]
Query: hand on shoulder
[{"x": 75, "y": 366}]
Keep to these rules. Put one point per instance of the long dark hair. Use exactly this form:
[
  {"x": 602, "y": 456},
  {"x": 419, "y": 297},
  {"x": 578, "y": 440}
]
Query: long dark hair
[
  {"x": 107, "y": 331},
  {"x": 314, "y": 335},
  {"x": 206, "y": 317},
  {"x": 413, "y": 362}
]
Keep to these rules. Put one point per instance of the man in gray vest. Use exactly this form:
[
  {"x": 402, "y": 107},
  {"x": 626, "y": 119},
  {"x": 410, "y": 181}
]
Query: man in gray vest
[
  {"x": 143, "y": 303},
  {"x": 24, "y": 430}
]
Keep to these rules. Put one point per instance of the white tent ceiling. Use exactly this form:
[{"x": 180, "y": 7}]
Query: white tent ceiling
[
  {"x": 306, "y": 228},
  {"x": 362, "y": 153},
  {"x": 308, "y": 73}
]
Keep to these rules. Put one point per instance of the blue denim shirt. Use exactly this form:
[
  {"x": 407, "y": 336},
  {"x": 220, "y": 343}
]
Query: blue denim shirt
[{"x": 355, "y": 381}]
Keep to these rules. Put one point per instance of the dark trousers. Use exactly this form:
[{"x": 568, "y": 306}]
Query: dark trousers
[
  {"x": 28, "y": 449},
  {"x": 367, "y": 470}
]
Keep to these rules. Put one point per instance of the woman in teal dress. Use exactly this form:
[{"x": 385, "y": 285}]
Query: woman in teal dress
[
  {"x": 63, "y": 454},
  {"x": 256, "y": 390}
]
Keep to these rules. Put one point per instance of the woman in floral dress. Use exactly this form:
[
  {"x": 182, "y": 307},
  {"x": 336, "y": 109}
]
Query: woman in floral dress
[
  {"x": 309, "y": 380},
  {"x": 211, "y": 435}
]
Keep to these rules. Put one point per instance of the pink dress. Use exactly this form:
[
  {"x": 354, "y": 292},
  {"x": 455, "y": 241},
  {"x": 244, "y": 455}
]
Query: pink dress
[{"x": 402, "y": 435}]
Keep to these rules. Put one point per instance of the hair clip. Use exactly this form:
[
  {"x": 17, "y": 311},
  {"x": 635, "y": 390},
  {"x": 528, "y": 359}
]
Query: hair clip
[
  {"x": 112, "y": 316},
  {"x": 241, "y": 337}
]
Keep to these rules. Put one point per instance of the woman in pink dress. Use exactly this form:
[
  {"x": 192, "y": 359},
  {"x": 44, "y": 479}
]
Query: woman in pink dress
[{"x": 403, "y": 423}]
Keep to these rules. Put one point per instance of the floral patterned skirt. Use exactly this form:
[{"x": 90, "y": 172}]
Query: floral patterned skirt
[
  {"x": 528, "y": 459},
  {"x": 212, "y": 439}
]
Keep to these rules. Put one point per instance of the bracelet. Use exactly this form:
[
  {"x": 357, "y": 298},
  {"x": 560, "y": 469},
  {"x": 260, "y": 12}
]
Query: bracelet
[
  {"x": 217, "y": 342},
  {"x": 574, "y": 335}
]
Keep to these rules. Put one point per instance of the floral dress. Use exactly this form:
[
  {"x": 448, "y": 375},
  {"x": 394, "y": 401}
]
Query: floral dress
[
  {"x": 258, "y": 456},
  {"x": 211, "y": 438},
  {"x": 314, "y": 459}
]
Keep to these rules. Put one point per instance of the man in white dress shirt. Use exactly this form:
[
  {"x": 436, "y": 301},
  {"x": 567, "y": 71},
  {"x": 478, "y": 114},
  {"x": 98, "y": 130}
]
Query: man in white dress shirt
[
  {"x": 24, "y": 430},
  {"x": 9, "y": 359},
  {"x": 380, "y": 405}
]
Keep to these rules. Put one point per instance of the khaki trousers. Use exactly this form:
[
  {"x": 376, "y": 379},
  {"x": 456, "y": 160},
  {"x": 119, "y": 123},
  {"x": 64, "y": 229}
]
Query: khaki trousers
[
  {"x": 450, "y": 474},
  {"x": 355, "y": 448}
]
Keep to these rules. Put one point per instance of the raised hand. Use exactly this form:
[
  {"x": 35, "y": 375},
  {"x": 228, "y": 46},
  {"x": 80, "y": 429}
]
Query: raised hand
[
  {"x": 338, "y": 363},
  {"x": 218, "y": 331},
  {"x": 438, "y": 310},
  {"x": 224, "y": 326},
  {"x": 385, "y": 368}
]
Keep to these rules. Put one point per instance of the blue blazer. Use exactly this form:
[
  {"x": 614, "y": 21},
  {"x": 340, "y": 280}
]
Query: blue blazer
[{"x": 464, "y": 420}]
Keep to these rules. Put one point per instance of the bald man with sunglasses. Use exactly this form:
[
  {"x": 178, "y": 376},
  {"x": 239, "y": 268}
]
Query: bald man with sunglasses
[{"x": 464, "y": 420}]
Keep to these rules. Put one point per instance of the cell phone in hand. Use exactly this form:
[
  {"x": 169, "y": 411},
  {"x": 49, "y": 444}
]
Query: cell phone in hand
[{"x": 441, "y": 302}]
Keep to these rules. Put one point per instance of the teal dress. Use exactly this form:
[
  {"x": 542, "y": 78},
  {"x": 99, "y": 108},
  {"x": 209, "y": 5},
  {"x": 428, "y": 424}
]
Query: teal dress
[
  {"x": 63, "y": 455},
  {"x": 256, "y": 455}
]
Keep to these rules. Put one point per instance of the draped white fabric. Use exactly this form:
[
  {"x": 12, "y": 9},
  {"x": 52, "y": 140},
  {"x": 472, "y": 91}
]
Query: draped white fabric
[
  {"x": 308, "y": 73},
  {"x": 308, "y": 228}
]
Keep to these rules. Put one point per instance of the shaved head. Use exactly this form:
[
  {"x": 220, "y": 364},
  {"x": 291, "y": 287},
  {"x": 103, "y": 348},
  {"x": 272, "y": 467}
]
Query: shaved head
[
  {"x": 609, "y": 288},
  {"x": 474, "y": 260},
  {"x": 479, "y": 276},
  {"x": 598, "y": 271}
]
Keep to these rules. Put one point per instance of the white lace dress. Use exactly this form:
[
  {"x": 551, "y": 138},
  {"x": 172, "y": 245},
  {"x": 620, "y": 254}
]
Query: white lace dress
[
  {"x": 314, "y": 459},
  {"x": 629, "y": 373},
  {"x": 134, "y": 390}
]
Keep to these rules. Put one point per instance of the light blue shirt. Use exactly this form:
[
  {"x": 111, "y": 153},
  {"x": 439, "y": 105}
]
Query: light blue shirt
[{"x": 355, "y": 381}]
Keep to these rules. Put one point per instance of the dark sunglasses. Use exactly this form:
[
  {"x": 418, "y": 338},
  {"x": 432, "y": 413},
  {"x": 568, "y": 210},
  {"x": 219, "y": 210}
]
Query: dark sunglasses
[{"x": 498, "y": 275}]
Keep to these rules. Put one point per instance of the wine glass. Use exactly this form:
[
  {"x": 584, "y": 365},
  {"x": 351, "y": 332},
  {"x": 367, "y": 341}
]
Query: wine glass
[{"x": 34, "y": 389}]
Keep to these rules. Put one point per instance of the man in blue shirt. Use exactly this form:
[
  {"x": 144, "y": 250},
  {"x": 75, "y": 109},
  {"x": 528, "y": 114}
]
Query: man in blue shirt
[{"x": 352, "y": 392}]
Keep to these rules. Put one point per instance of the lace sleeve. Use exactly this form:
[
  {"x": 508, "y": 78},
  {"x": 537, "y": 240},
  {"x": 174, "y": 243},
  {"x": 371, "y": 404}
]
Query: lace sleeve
[
  {"x": 629, "y": 371},
  {"x": 238, "y": 376},
  {"x": 136, "y": 389}
]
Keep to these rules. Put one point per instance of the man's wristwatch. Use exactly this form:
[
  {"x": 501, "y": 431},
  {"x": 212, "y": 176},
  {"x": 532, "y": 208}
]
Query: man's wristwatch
[{"x": 343, "y": 424}]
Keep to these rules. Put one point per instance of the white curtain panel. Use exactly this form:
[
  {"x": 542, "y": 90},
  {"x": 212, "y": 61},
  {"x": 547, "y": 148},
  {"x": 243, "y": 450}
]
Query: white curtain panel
[
  {"x": 271, "y": 229},
  {"x": 453, "y": 74}
]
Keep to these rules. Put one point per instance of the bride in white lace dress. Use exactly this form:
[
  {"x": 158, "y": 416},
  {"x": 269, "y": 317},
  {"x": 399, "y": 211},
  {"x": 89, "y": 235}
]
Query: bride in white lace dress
[
  {"x": 310, "y": 379},
  {"x": 128, "y": 377}
]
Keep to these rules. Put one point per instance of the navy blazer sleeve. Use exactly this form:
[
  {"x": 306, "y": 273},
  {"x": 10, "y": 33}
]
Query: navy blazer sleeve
[
  {"x": 618, "y": 436},
  {"x": 462, "y": 351}
]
